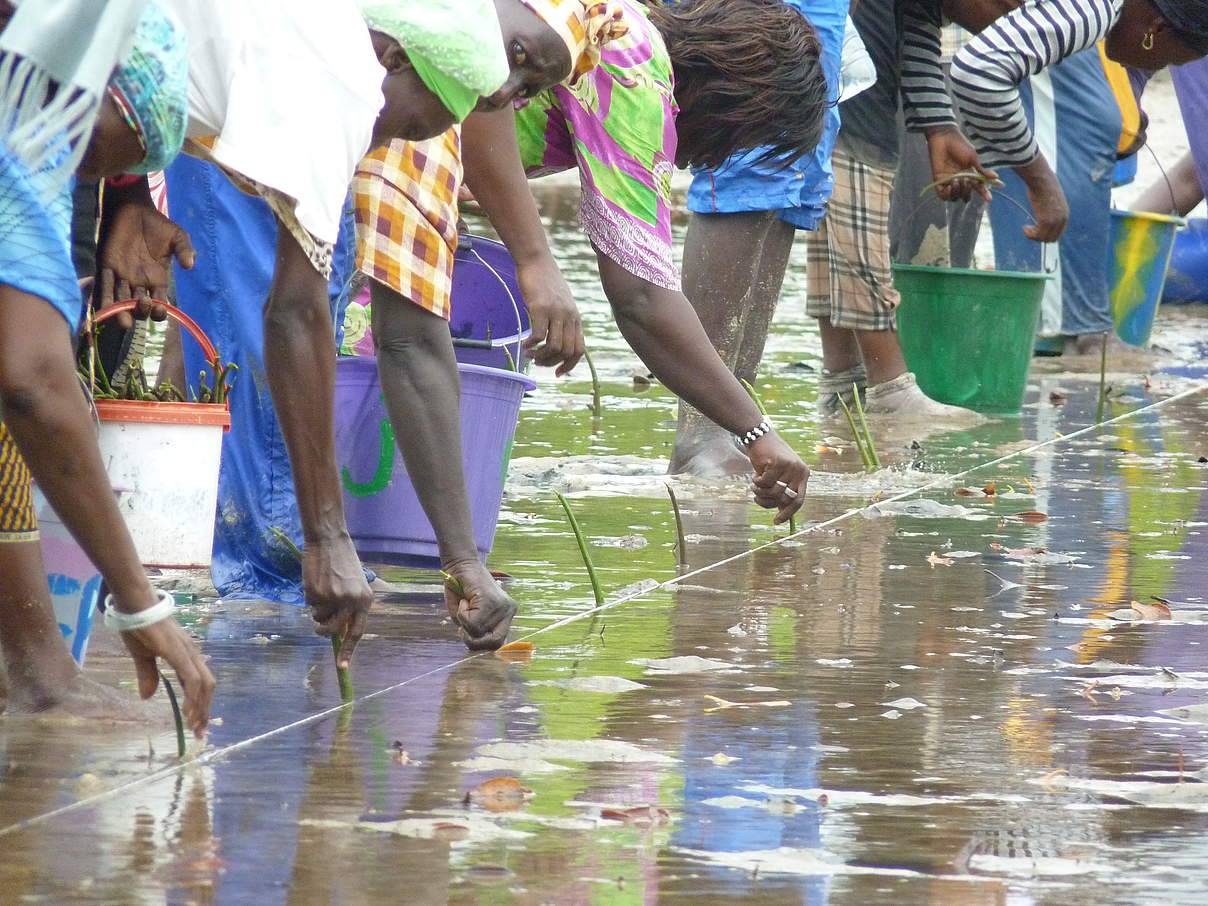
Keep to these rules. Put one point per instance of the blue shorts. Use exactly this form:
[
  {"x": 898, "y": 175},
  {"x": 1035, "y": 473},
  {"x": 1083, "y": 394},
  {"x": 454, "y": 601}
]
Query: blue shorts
[
  {"x": 35, "y": 239},
  {"x": 800, "y": 191}
]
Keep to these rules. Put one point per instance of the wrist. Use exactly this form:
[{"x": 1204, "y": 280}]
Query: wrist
[{"x": 753, "y": 435}]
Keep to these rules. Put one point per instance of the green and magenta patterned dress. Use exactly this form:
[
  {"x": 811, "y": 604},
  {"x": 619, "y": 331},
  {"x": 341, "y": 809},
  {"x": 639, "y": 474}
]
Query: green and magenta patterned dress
[{"x": 616, "y": 126}]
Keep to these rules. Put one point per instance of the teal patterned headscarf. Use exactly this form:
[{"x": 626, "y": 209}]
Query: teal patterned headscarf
[{"x": 151, "y": 87}]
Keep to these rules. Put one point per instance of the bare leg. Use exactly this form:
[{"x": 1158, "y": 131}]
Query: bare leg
[
  {"x": 882, "y": 354},
  {"x": 172, "y": 363},
  {"x": 765, "y": 294},
  {"x": 42, "y": 676},
  {"x": 728, "y": 286},
  {"x": 420, "y": 383}
]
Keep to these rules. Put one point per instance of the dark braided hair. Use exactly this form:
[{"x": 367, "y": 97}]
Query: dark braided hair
[{"x": 748, "y": 75}]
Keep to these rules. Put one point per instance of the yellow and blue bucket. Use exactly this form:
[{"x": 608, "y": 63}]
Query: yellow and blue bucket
[{"x": 1141, "y": 247}]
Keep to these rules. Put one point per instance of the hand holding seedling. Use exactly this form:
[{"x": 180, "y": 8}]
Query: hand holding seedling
[
  {"x": 955, "y": 166},
  {"x": 167, "y": 640},
  {"x": 337, "y": 593},
  {"x": 780, "y": 476},
  {"x": 482, "y": 610}
]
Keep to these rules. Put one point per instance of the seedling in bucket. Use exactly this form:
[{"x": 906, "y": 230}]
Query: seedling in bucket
[
  {"x": 342, "y": 675},
  {"x": 597, "y": 590}
]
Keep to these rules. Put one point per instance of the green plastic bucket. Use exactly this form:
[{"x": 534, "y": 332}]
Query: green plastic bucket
[{"x": 967, "y": 334}]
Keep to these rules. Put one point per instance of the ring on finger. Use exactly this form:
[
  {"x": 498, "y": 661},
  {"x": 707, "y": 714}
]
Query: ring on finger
[{"x": 790, "y": 493}]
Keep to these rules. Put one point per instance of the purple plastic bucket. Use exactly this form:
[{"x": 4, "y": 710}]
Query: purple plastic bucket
[
  {"x": 486, "y": 305},
  {"x": 384, "y": 517}
]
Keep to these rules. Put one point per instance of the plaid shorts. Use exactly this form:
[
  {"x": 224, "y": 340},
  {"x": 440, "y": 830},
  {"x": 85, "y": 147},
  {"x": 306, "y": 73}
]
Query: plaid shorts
[
  {"x": 18, "y": 519},
  {"x": 406, "y": 210},
  {"x": 849, "y": 276}
]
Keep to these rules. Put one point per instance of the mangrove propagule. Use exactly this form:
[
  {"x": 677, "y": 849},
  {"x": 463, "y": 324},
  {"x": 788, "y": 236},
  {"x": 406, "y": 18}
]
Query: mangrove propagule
[
  {"x": 343, "y": 677},
  {"x": 597, "y": 590}
]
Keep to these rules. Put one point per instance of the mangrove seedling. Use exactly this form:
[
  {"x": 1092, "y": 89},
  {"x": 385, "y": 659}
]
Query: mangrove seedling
[
  {"x": 1102, "y": 382},
  {"x": 754, "y": 394},
  {"x": 681, "y": 543},
  {"x": 176, "y": 716},
  {"x": 343, "y": 678},
  {"x": 990, "y": 181},
  {"x": 861, "y": 436},
  {"x": 597, "y": 404},
  {"x": 583, "y": 550}
]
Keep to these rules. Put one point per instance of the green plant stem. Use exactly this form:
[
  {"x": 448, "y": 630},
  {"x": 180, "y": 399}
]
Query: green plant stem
[
  {"x": 176, "y": 716},
  {"x": 343, "y": 677},
  {"x": 855, "y": 433},
  {"x": 454, "y": 584},
  {"x": 874, "y": 459},
  {"x": 792, "y": 525},
  {"x": 1102, "y": 381},
  {"x": 754, "y": 394},
  {"x": 583, "y": 550},
  {"x": 681, "y": 543},
  {"x": 597, "y": 404}
]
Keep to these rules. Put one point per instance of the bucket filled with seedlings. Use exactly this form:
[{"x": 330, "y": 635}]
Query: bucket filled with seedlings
[{"x": 163, "y": 448}]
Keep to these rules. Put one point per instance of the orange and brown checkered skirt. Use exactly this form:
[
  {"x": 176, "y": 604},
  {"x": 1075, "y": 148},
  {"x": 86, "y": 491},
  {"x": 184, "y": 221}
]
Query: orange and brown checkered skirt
[
  {"x": 406, "y": 214},
  {"x": 18, "y": 518}
]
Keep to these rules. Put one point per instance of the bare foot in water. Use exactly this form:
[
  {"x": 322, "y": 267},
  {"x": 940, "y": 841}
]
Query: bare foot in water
[{"x": 82, "y": 698}]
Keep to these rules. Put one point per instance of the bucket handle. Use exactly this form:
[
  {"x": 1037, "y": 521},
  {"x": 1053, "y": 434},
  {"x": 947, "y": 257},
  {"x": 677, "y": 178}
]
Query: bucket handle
[
  {"x": 466, "y": 240},
  {"x": 1045, "y": 268},
  {"x": 174, "y": 314},
  {"x": 208, "y": 350}
]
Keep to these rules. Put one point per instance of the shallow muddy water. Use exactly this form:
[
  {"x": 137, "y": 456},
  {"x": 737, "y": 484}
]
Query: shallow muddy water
[{"x": 924, "y": 699}]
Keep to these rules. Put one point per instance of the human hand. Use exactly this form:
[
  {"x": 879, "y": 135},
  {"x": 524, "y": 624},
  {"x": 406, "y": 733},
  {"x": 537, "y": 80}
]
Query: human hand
[
  {"x": 778, "y": 470},
  {"x": 557, "y": 337},
  {"x": 135, "y": 256},
  {"x": 336, "y": 592},
  {"x": 481, "y": 608},
  {"x": 167, "y": 640},
  {"x": 951, "y": 154},
  {"x": 1048, "y": 202}
]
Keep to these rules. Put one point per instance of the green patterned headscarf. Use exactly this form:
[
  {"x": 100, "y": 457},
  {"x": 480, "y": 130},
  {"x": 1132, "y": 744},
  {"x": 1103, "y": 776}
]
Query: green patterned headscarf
[
  {"x": 151, "y": 88},
  {"x": 455, "y": 46}
]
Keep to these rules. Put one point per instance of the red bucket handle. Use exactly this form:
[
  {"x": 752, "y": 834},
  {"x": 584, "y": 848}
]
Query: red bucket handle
[{"x": 175, "y": 314}]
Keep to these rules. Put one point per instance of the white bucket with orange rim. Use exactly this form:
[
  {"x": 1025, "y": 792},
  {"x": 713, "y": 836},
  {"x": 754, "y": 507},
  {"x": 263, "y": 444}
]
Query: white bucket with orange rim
[{"x": 165, "y": 457}]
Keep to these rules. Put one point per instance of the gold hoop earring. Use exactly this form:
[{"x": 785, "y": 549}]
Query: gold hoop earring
[{"x": 1147, "y": 41}]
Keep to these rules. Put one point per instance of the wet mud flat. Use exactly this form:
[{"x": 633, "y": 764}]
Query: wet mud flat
[{"x": 931, "y": 694}]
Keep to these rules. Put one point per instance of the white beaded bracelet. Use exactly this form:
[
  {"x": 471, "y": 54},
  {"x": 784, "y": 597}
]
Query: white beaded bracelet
[
  {"x": 745, "y": 440},
  {"x": 128, "y": 622}
]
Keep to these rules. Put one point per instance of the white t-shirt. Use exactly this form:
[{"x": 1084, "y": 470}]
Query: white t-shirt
[{"x": 289, "y": 91}]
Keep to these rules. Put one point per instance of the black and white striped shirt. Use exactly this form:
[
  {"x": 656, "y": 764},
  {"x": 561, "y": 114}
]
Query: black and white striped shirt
[{"x": 987, "y": 72}]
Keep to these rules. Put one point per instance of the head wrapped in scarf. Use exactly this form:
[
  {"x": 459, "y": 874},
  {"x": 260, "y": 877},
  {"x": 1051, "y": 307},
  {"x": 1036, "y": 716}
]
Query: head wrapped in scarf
[
  {"x": 151, "y": 88},
  {"x": 455, "y": 46},
  {"x": 1189, "y": 19},
  {"x": 584, "y": 26}
]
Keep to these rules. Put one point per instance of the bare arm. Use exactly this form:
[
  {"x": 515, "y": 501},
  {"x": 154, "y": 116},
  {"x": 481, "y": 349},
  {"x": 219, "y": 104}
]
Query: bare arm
[
  {"x": 299, "y": 356},
  {"x": 664, "y": 330},
  {"x": 495, "y": 175}
]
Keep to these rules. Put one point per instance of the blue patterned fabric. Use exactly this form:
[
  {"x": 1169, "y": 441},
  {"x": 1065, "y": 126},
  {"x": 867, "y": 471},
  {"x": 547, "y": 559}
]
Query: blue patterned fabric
[
  {"x": 154, "y": 80},
  {"x": 235, "y": 236},
  {"x": 800, "y": 191},
  {"x": 35, "y": 238}
]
